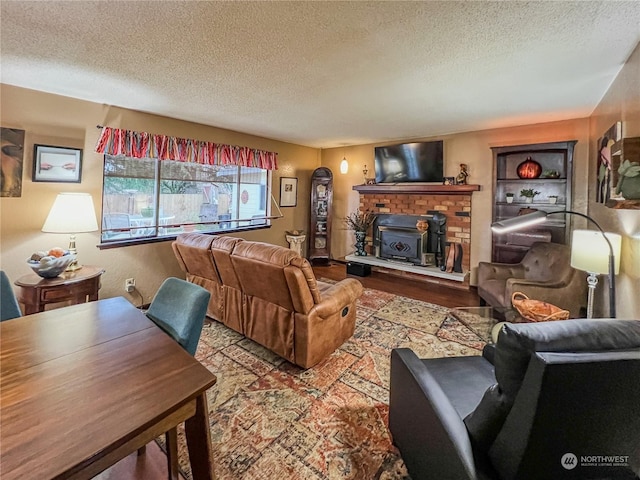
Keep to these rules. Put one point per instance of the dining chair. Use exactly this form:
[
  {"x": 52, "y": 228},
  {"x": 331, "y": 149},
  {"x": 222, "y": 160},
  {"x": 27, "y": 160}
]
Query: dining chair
[
  {"x": 179, "y": 308},
  {"x": 9, "y": 307}
]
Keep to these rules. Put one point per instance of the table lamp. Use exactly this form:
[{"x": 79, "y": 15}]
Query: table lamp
[
  {"x": 524, "y": 221},
  {"x": 590, "y": 252},
  {"x": 71, "y": 213}
]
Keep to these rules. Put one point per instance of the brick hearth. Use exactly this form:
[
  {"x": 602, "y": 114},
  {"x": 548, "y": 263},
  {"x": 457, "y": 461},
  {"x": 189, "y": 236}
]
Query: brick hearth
[{"x": 454, "y": 202}]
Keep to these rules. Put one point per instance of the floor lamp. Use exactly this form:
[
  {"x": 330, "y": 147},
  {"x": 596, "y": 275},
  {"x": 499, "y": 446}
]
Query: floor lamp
[
  {"x": 589, "y": 252},
  {"x": 524, "y": 221}
]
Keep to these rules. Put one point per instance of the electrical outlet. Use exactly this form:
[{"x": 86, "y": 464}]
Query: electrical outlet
[{"x": 130, "y": 285}]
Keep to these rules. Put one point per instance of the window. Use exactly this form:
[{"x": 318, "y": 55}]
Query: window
[{"x": 146, "y": 198}]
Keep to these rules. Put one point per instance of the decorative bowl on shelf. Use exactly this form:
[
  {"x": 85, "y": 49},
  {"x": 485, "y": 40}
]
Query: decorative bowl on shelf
[
  {"x": 550, "y": 174},
  {"x": 51, "y": 267}
]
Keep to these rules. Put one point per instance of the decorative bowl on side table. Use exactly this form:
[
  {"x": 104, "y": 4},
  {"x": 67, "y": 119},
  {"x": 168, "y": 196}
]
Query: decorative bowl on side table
[{"x": 51, "y": 267}]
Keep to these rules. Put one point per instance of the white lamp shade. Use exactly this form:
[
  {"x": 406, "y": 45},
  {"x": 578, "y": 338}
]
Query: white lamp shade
[
  {"x": 344, "y": 166},
  {"x": 71, "y": 213},
  {"x": 590, "y": 251}
]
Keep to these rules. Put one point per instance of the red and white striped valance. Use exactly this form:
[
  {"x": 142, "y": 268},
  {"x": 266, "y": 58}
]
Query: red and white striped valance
[{"x": 116, "y": 141}]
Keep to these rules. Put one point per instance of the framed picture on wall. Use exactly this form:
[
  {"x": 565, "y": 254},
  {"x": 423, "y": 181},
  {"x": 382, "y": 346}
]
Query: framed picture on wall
[
  {"x": 12, "y": 161},
  {"x": 619, "y": 169},
  {"x": 57, "y": 164},
  {"x": 288, "y": 191},
  {"x": 606, "y": 170}
]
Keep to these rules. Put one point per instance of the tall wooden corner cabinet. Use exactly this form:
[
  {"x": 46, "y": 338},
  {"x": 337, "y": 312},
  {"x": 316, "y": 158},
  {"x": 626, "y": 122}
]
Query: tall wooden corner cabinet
[
  {"x": 319, "y": 251},
  {"x": 555, "y": 164}
]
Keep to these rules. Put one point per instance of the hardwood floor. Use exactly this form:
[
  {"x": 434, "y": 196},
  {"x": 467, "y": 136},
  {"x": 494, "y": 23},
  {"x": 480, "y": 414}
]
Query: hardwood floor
[
  {"x": 153, "y": 464},
  {"x": 425, "y": 291}
]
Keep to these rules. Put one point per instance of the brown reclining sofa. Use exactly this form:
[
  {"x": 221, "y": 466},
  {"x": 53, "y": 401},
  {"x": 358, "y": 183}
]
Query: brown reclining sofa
[{"x": 270, "y": 294}]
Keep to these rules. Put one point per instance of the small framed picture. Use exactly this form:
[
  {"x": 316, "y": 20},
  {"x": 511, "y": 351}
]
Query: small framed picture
[
  {"x": 449, "y": 181},
  {"x": 56, "y": 164},
  {"x": 288, "y": 191}
]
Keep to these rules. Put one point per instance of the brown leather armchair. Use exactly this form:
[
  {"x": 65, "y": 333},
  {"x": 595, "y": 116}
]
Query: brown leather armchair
[{"x": 545, "y": 273}]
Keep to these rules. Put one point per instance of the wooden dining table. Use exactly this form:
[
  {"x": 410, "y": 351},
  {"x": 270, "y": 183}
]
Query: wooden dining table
[{"x": 82, "y": 387}]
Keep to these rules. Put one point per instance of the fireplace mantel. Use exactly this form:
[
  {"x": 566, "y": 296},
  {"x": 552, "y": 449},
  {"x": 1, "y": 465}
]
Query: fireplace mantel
[{"x": 416, "y": 189}]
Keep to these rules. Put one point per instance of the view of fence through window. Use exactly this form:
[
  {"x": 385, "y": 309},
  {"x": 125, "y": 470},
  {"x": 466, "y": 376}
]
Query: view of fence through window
[{"x": 146, "y": 197}]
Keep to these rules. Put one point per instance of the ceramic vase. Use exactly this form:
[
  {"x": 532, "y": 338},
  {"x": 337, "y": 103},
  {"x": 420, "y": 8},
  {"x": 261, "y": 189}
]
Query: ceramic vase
[
  {"x": 360, "y": 236},
  {"x": 509, "y": 199}
]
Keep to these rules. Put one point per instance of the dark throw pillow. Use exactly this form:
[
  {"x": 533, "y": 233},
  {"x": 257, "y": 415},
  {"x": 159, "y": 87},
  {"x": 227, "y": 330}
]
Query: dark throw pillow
[{"x": 485, "y": 422}]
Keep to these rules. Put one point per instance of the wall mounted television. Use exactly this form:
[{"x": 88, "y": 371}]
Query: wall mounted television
[{"x": 410, "y": 162}]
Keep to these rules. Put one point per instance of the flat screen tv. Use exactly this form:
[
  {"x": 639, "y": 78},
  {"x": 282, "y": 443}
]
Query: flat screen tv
[{"x": 410, "y": 162}]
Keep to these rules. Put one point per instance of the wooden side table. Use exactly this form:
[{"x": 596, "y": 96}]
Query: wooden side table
[{"x": 79, "y": 286}]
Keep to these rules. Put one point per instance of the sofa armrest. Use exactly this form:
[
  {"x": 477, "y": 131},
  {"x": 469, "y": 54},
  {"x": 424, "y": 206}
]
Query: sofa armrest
[
  {"x": 425, "y": 426},
  {"x": 499, "y": 271},
  {"x": 338, "y": 297}
]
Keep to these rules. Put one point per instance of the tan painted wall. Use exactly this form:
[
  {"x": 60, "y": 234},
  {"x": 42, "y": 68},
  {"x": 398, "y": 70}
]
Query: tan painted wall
[
  {"x": 474, "y": 149},
  {"x": 620, "y": 104},
  {"x": 56, "y": 120}
]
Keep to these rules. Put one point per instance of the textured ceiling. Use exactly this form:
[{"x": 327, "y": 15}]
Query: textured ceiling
[{"x": 325, "y": 74}]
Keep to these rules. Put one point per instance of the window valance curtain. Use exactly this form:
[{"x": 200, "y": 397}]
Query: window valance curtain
[{"x": 116, "y": 141}]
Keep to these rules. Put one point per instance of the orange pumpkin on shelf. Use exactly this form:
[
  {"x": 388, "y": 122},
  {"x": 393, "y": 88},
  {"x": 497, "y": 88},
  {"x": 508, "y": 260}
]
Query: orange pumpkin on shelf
[{"x": 529, "y": 169}]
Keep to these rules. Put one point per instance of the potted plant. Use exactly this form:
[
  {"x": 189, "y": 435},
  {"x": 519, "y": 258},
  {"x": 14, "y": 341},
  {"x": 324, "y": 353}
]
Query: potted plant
[
  {"x": 553, "y": 199},
  {"x": 147, "y": 212},
  {"x": 629, "y": 182},
  {"x": 360, "y": 222},
  {"x": 509, "y": 196},
  {"x": 550, "y": 174},
  {"x": 528, "y": 194}
]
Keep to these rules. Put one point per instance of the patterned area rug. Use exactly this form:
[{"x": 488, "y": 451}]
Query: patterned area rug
[{"x": 273, "y": 420}]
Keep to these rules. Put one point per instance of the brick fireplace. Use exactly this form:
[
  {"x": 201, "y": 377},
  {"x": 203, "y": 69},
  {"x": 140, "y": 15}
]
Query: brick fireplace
[{"x": 452, "y": 200}]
